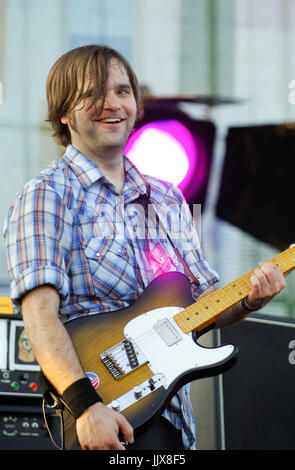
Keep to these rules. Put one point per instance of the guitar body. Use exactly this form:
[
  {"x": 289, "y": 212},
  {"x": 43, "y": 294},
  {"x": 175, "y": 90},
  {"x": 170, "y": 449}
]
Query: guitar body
[{"x": 140, "y": 355}]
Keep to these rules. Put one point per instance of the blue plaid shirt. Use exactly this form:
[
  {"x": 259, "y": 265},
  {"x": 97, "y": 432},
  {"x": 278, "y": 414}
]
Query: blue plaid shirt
[{"x": 69, "y": 227}]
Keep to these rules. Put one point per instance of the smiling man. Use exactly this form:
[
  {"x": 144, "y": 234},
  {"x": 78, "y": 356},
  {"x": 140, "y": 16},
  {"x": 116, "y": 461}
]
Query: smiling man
[
  {"x": 100, "y": 129},
  {"x": 74, "y": 250}
]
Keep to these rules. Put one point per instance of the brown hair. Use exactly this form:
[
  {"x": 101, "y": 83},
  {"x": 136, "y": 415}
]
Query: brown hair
[{"x": 66, "y": 79}]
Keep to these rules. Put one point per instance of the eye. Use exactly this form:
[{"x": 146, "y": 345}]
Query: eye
[{"x": 124, "y": 91}]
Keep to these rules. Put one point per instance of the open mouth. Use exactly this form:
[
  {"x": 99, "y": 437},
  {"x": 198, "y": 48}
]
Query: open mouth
[{"x": 110, "y": 120}]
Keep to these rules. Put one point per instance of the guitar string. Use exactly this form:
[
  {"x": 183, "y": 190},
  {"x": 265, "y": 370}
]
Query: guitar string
[
  {"x": 149, "y": 334},
  {"x": 243, "y": 284}
]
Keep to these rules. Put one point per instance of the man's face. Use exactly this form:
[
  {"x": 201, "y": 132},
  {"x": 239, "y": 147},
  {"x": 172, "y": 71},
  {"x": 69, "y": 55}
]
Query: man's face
[{"x": 92, "y": 133}]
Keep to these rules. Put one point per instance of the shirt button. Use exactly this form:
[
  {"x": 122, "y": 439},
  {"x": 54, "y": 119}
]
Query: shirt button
[{"x": 98, "y": 255}]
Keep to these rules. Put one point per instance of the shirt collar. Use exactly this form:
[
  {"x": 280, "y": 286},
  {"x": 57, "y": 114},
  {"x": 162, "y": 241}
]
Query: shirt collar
[
  {"x": 135, "y": 178},
  {"x": 88, "y": 172},
  {"x": 85, "y": 169}
]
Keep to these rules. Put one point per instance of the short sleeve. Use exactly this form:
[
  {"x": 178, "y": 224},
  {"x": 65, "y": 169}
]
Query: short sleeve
[{"x": 38, "y": 237}]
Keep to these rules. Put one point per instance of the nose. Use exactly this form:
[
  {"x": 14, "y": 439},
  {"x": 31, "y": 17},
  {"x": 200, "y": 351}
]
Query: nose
[{"x": 112, "y": 102}]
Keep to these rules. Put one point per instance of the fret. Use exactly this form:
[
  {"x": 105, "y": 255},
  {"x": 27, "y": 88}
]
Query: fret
[
  {"x": 206, "y": 302},
  {"x": 280, "y": 262},
  {"x": 193, "y": 314},
  {"x": 200, "y": 303},
  {"x": 240, "y": 288},
  {"x": 290, "y": 254},
  {"x": 234, "y": 287},
  {"x": 217, "y": 300},
  {"x": 231, "y": 294},
  {"x": 178, "y": 318},
  {"x": 288, "y": 259},
  {"x": 248, "y": 282},
  {"x": 186, "y": 320},
  {"x": 224, "y": 297},
  {"x": 214, "y": 304},
  {"x": 198, "y": 312},
  {"x": 230, "y": 300}
]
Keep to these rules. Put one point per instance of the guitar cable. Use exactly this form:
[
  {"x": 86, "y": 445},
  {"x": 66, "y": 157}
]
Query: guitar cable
[{"x": 61, "y": 446}]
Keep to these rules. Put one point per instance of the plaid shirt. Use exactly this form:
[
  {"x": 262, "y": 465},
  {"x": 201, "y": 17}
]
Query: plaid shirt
[{"x": 69, "y": 227}]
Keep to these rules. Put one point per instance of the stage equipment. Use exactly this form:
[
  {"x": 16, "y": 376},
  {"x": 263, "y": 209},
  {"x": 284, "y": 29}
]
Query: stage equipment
[
  {"x": 255, "y": 398},
  {"x": 22, "y": 424},
  {"x": 257, "y": 190},
  {"x": 169, "y": 144}
]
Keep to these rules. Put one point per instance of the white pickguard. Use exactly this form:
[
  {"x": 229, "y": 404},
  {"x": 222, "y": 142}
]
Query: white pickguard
[{"x": 174, "y": 360}]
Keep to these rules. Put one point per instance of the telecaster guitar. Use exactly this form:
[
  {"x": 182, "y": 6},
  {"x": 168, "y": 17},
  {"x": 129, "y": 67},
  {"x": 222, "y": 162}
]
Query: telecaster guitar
[{"x": 140, "y": 356}]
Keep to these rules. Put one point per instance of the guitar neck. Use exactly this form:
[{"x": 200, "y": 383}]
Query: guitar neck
[{"x": 205, "y": 311}]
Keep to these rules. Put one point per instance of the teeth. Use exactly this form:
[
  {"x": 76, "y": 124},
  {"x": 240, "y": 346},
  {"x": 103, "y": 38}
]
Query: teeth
[{"x": 111, "y": 120}]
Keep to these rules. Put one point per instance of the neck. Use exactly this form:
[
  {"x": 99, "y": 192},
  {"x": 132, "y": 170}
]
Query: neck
[
  {"x": 114, "y": 172},
  {"x": 110, "y": 163}
]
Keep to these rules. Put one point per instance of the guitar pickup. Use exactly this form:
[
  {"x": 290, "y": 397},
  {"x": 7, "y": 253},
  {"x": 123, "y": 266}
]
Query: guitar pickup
[
  {"x": 167, "y": 332},
  {"x": 123, "y": 358}
]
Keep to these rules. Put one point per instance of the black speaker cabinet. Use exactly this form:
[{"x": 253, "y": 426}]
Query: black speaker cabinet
[
  {"x": 256, "y": 398},
  {"x": 256, "y": 188}
]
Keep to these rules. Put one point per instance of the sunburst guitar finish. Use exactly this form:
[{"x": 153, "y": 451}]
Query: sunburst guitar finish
[{"x": 144, "y": 354}]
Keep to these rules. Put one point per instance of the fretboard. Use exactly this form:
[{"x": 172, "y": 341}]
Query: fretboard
[{"x": 205, "y": 311}]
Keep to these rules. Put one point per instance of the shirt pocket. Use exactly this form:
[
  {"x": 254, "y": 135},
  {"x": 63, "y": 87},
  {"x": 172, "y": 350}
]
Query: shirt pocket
[{"x": 107, "y": 259}]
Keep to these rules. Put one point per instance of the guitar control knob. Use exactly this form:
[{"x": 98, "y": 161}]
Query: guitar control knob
[
  {"x": 137, "y": 390},
  {"x": 115, "y": 405}
]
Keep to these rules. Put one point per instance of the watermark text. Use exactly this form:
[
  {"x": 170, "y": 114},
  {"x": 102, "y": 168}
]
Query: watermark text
[
  {"x": 291, "y": 356},
  {"x": 291, "y": 96}
]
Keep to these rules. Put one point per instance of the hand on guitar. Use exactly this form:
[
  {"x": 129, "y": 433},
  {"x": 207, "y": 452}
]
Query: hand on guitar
[
  {"x": 267, "y": 281},
  {"x": 98, "y": 429}
]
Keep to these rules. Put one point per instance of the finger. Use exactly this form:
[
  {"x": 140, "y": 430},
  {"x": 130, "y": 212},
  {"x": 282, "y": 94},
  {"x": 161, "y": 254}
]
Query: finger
[
  {"x": 259, "y": 281},
  {"x": 126, "y": 429},
  {"x": 118, "y": 446},
  {"x": 267, "y": 281},
  {"x": 274, "y": 276},
  {"x": 261, "y": 292},
  {"x": 110, "y": 441}
]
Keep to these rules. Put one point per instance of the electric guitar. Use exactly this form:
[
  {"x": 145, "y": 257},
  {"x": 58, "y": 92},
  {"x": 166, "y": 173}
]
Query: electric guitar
[{"x": 138, "y": 357}]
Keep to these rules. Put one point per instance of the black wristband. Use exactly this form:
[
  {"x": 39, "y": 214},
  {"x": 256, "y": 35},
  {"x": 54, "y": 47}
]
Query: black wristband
[
  {"x": 79, "y": 396},
  {"x": 246, "y": 308}
]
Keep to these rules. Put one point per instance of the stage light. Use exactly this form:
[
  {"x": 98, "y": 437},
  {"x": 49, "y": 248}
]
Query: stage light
[
  {"x": 165, "y": 149},
  {"x": 171, "y": 146}
]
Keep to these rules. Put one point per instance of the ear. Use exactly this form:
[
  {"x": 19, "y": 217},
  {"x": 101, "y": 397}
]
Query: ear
[{"x": 64, "y": 120}]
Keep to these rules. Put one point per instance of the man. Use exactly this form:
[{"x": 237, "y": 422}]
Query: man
[{"x": 67, "y": 257}]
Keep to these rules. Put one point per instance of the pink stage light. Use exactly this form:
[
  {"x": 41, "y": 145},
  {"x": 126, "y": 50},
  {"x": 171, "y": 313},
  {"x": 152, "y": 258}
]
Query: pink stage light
[{"x": 167, "y": 150}]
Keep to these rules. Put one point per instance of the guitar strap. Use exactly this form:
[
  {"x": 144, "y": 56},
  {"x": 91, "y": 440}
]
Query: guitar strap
[
  {"x": 50, "y": 395},
  {"x": 193, "y": 279}
]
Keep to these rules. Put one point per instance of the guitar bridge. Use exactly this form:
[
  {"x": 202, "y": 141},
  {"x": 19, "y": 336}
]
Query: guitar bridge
[{"x": 123, "y": 358}]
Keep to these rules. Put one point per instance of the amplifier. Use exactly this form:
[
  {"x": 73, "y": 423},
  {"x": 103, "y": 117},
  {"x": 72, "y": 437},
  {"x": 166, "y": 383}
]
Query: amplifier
[
  {"x": 22, "y": 427},
  {"x": 18, "y": 366},
  {"x": 22, "y": 424},
  {"x": 255, "y": 397}
]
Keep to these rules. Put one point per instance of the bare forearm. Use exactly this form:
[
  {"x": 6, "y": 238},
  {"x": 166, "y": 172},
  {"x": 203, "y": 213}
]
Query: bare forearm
[
  {"x": 50, "y": 341},
  {"x": 98, "y": 426}
]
